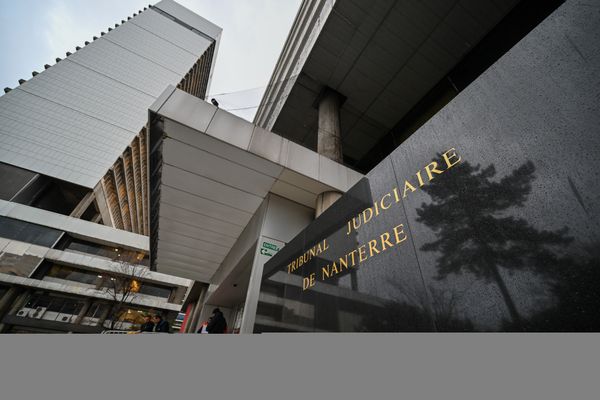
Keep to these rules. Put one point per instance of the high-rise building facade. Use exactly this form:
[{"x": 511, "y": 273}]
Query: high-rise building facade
[{"x": 73, "y": 167}]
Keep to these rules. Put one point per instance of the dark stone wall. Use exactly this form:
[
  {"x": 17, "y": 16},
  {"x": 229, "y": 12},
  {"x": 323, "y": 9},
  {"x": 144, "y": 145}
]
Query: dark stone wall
[{"x": 506, "y": 239}]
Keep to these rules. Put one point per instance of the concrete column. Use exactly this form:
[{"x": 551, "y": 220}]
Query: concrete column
[
  {"x": 101, "y": 200},
  {"x": 104, "y": 316},
  {"x": 83, "y": 205},
  {"x": 7, "y": 300},
  {"x": 329, "y": 140},
  {"x": 253, "y": 293},
  {"x": 177, "y": 295},
  {"x": 193, "y": 324},
  {"x": 20, "y": 301},
  {"x": 329, "y": 134},
  {"x": 86, "y": 306},
  {"x": 11, "y": 302}
]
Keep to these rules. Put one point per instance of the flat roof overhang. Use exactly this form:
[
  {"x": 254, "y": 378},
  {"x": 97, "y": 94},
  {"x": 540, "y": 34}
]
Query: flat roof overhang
[
  {"x": 383, "y": 58},
  {"x": 210, "y": 171}
]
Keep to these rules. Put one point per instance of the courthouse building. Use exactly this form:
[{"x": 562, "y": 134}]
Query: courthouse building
[
  {"x": 413, "y": 166},
  {"x": 474, "y": 124}
]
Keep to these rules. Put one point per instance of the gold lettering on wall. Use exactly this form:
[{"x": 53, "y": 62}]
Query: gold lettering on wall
[
  {"x": 448, "y": 157},
  {"x": 307, "y": 256},
  {"x": 429, "y": 169},
  {"x": 389, "y": 239},
  {"x": 407, "y": 186},
  {"x": 348, "y": 260},
  {"x": 383, "y": 207},
  {"x": 434, "y": 168}
]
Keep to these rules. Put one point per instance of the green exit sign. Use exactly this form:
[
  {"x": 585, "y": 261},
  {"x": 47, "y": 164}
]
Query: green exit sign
[{"x": 268, "y": 249}]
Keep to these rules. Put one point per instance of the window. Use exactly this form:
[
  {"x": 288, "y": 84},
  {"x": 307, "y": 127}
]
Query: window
[
  {"x": 38, "y": 301},
  {"x": 69, "y": 243},
  {"x": 27, "y": 232},
  {"x": 62, "y": 310},
  {"x": 71, "y": 307},
  {"x": 52, "y": 308},
  {"x": 144, "y": 288},
  {"x": 73, "y": 274},
  {"x": 38, "y": 190},
  {"x": 129, "y": 319},
  {"x": 132, "y": 315},
  {"x": 96, "y": 310},
  {"x": 13, "y": 180},
  {"x": 156, "y": 290},
  {"x": 95, "y": 313}
]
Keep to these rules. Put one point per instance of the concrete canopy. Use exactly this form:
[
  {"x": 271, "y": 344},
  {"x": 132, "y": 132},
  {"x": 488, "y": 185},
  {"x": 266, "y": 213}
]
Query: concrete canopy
[
  {"x": 209, "y": 173},
  {"x": 383, "y": 56}
]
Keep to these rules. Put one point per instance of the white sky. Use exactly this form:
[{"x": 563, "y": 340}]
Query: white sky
[{"x": 35, "y": 32}]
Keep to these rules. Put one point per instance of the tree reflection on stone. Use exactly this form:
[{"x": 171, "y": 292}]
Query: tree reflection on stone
[
  {"x": 469, "y": 214},
  {"x": 575, "y": 288}
]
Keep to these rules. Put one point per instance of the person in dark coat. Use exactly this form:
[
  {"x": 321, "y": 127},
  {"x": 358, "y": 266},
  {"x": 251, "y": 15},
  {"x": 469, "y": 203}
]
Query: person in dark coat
[
  {"x": 160, "y": 325},
  {"x": 148, "y": 325},
  {"x": 217, "y": 323}
]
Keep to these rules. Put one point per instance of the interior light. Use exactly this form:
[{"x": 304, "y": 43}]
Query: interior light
[{"x": 99, "y": 276}]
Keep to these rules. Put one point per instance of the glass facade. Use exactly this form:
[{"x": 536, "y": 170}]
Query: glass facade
[
  {"x": 153, "y": 289},
  {"x": 83, "y": 246},
  {"x": 77, "y": 275},
  {"x": 52, "y": 308},
  {"x": 37, "y": 190},
  {"x": 131, "y": 319},
  {"x": 28, "y": 232},
  {"x": 104, "y": 280},
  {"x": 95, "y": 313},
  {"x": 13, "y": 180}
]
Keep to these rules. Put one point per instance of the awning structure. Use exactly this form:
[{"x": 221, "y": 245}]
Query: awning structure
[{"x": 210, "y": 171}]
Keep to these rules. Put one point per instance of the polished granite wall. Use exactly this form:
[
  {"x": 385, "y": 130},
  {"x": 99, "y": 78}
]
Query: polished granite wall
[{"x": 506, "y": 234}]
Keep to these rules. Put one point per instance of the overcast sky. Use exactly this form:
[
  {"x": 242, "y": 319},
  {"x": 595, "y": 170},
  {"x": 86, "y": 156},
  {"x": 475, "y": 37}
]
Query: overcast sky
[{"x": 35, "y": 32}]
